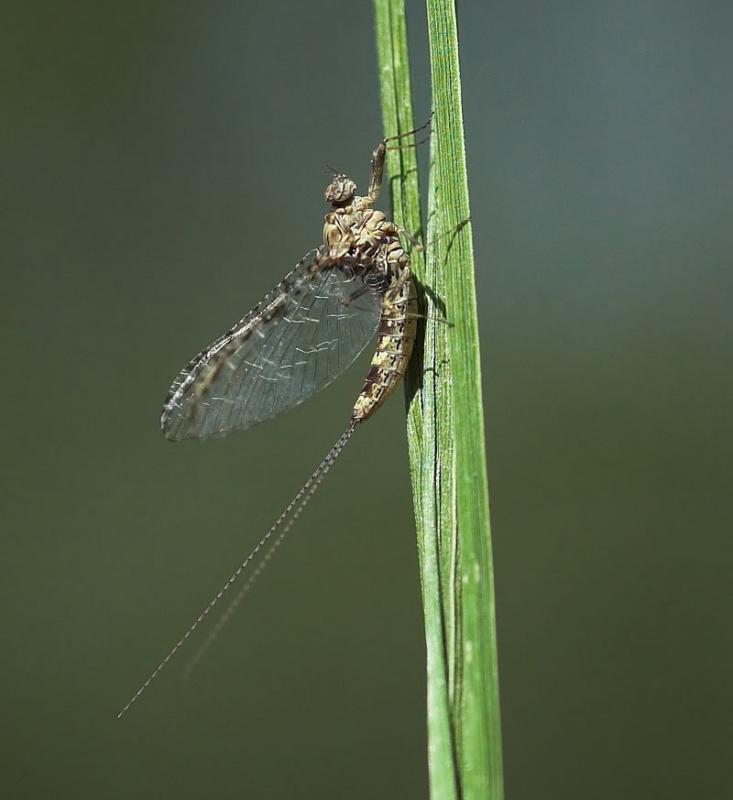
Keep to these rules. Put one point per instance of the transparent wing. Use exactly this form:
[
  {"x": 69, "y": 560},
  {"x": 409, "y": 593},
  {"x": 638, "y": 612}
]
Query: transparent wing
[{"x": 296, "y": 340}]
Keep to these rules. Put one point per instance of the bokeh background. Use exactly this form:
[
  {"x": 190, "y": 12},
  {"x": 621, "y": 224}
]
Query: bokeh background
[{"x": 162, "y": 167}]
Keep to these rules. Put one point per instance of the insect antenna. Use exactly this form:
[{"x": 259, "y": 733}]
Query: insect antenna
[{"x": 289, "y": 516}]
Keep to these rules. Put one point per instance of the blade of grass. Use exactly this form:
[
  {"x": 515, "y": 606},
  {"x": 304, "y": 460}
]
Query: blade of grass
[
  {"x": 427, "y": 390},
  {"x": 445, "y": 422},
  {"x": 475, "y": 702}
]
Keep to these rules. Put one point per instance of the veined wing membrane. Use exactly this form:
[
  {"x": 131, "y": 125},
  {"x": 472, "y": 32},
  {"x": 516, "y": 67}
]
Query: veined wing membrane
[{"x": 296, "y": 340}]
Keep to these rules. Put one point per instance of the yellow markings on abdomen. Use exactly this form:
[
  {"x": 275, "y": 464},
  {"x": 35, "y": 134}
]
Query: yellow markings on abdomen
[{"x": 396, "y": 339}]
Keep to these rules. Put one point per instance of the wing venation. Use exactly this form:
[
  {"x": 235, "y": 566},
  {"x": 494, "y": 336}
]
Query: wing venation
[{"x": 296, "y": 340}]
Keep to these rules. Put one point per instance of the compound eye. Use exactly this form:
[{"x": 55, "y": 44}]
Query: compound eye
[{"x": 340, "y": 190}]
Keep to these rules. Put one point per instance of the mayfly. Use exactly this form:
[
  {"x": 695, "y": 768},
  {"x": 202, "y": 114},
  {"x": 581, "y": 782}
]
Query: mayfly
[{"x": 299, "y": 338}]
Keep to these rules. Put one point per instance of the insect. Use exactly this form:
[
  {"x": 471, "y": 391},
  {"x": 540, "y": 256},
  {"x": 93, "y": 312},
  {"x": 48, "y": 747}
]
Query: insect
[{"x": 298, "y": 339}]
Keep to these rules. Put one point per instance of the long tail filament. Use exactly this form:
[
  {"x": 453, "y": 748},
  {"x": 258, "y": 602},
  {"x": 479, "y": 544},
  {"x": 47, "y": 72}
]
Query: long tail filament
[{"x": 289, "y": 516}]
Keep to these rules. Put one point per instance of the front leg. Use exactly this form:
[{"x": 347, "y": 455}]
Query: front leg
[
  {"x": 377, "y": 171},
  {"x": 378, "y": 156}
]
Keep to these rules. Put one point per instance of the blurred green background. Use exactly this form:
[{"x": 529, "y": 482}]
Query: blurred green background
[{"x": 163, "y": 166}]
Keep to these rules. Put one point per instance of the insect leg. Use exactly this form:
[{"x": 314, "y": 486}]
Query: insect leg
[
  {"x": 377, "y": 170},
  {"x": 409, "y": 133}
]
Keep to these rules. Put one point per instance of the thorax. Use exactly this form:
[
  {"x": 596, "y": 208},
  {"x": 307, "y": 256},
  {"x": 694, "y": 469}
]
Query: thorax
[{"x": 355, "y": 229}]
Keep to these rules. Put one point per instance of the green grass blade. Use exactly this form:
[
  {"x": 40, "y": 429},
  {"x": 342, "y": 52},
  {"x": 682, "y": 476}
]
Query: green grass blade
[
  {"x": 475, "y": 701},
  {"x": 427, "y": 390},
  {"x": 428, "y": 432},
  {"x": 445, "y": 422}
]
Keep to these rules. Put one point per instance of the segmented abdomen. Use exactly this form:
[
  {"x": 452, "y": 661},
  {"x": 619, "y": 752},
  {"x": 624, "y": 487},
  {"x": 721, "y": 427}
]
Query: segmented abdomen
[{"x": 395, "y": 341}]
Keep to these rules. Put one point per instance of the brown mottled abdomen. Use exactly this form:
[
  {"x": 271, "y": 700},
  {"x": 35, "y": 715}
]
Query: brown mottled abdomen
[{"x": 394, "y": 347}]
